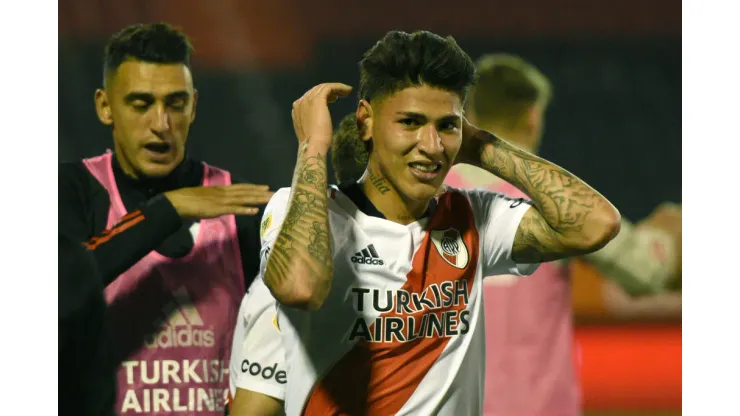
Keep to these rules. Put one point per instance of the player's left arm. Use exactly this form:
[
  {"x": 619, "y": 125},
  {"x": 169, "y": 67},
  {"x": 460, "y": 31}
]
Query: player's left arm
[
  {"x": 257, "y": 345},
  {"x": 569, "y": 218},
  {"x": 251, "y": 403}
]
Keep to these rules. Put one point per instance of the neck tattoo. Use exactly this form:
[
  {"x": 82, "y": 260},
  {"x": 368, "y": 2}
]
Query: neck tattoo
[{"x": 378, "y": 182}]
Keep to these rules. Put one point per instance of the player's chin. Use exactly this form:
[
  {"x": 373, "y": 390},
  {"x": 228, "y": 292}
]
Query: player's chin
[
  {"x": 157, "y": 168},
  {"x": 422, "y": 191}
]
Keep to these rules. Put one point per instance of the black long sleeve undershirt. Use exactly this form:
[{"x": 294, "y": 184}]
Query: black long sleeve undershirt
[{"x": 152, "y": 222}]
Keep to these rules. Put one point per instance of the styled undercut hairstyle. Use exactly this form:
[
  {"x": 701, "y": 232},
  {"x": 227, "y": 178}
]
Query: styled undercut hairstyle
[
  {"x": 349, "y": 153},
  {"x": 508, "y": 86},
  {"x": 156, "y": 42},
  {"x": 401, "y": 60}
]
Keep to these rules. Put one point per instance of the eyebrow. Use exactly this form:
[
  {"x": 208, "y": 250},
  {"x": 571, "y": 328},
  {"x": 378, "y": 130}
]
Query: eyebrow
[
  {"x": 147, "y": 96},
  {"x": 452, "y": 118}
]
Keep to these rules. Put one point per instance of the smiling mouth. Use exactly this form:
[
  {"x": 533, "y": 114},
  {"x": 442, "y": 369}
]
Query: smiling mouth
[
  {"x": 426, "y": 168},
  {"x": 158, "y": 147}
]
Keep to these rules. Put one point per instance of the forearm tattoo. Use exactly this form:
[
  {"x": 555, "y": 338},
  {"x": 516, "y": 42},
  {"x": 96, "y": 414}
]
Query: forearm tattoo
[
  {"x": 563, "y": 201},
  {"x": 304, "y": 239}
]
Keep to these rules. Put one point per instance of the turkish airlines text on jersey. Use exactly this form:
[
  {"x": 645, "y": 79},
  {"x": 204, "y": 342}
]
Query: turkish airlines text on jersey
[{"x": 174, "y": 380}]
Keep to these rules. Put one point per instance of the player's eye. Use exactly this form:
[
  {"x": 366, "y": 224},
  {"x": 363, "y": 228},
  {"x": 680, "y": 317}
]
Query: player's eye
[
  {"x": 408, "y": 122},
  {"x": 140, "y": 105},
  {"x": 448, "y": 126},
  {"x": 178, "y": 104}
]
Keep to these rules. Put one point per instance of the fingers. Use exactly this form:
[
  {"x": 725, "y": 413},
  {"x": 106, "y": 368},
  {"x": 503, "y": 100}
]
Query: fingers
[
  {"x": 246, "y": 195},
  {"x": 310, "y": 114},
  {"x": 334, "y": 90},
  {"x": 241, "y": 195},
  {"x": 329, "y": 91},
  {"x": 249, "y": 186},
  {"x": 245, "y": 211}
]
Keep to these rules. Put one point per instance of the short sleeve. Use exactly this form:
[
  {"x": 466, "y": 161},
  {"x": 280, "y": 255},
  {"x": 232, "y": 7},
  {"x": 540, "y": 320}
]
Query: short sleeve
[
  {"x": 497, "y": 218},
  {"x": 257, "y": 356}
]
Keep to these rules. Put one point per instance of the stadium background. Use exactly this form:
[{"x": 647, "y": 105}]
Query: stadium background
[{"x": 615, "y": 120}]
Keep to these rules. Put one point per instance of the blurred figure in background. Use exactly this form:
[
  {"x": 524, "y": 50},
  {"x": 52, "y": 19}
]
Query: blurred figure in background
[
  {"x": 530, "y": 368},
  {"x": 174, "y": 240},
  {"x": 529, "y": 330}
]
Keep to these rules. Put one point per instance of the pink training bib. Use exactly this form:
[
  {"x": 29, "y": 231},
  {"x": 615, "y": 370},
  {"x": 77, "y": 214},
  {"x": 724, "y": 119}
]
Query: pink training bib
[{"x": 172, "y": 319}]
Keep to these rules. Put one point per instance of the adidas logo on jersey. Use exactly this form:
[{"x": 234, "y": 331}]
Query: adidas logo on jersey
[
  {"x": 184, "y": 326},
  {"x": 368, "y": 255}
]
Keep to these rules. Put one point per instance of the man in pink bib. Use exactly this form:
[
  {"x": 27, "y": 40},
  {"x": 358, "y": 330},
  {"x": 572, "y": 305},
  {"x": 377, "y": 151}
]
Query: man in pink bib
[{"x": 175, "y": 240}]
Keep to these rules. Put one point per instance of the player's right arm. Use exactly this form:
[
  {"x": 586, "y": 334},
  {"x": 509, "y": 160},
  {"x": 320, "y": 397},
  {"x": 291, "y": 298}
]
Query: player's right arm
[
  {"x": 300, "y": 265},
  {"x": 139, "y": 232}
]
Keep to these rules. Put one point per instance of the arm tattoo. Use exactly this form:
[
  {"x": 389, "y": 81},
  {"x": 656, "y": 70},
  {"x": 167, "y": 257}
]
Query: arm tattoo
[
  {"x": 303, "y": 246},
  {"x": 564, "y": 204},
  {"x": 536, "y": 242}
]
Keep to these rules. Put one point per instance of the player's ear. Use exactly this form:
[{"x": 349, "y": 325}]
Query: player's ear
[
  {"x": 365, "y": 120},
  {"x": 195, "y": 104},
  {"x": 102, "y": 107}
]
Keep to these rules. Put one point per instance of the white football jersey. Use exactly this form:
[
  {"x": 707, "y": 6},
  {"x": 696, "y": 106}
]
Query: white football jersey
[
  {"x": 257, "y": 357},
  {"x": 401, "y": 331}
]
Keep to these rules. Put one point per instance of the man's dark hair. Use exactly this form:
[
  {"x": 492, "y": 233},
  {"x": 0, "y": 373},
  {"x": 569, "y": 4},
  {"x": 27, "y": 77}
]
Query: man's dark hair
[
  {"x": 349, "y": 153},
  {"x": 154, "y": 42},
  {"x": 401, "y": 60}
]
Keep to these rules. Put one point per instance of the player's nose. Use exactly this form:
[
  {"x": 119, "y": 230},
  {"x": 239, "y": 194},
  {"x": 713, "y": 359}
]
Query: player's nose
[
  {"x": 430, "y": 142},
  {"x": 160, "y": 120}
]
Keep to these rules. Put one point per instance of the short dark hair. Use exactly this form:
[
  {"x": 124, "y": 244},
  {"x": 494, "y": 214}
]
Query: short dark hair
[
  {"x": 508, "y": 86},
  {"x": 153, "y": 42},
  {"x": 349, "y": 153},
  {"x": 401, "y": 60}
]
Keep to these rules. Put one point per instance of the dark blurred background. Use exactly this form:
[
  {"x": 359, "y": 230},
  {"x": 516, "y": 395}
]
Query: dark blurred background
[{"x": 615, "y": 66}]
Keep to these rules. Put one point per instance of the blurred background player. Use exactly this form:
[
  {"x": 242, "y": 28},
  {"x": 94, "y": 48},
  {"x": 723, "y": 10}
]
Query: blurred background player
[
  {"x": 172, "y": 238},
  {"x": 529, "y": 331}
]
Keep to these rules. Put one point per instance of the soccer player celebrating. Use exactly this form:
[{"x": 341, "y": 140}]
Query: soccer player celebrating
[
  {"x": 379, "y": 282},
  {"x": 173, "y": 239},
  {"x": 530, "y": 367}
]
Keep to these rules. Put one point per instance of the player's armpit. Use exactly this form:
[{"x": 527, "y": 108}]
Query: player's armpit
[{"x": 250, "y": 403}]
